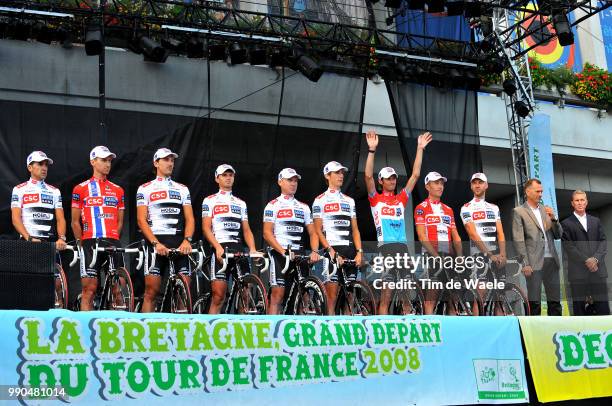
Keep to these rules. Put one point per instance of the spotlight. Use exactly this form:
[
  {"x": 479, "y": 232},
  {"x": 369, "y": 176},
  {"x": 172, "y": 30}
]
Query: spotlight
[
  {"x": 509, "y": 87},
  {"x": 521, "y": 108},
  {"x": 93, "y": 42},
  {"x": 386, "y": 69},
  {"x": 277, "y": 58},
  {"x": 238, "y": 54},
  {"x": 562, "y": 26},
  {"x": 309, "y": 67},
  {"x": 402, "y": 70},
  {"x": 195, "y": 48},
  {"x": 494, "y": 65},
  {"x": 257, "y": 55},
  {"x": 435, "y": 6},
  {"x": 172, "y": 44},
  {"x": 455, "y": 79},
  {"x": 393, "y": 3},
  {"x": 216, "y": 52},
  {"x": 153, "y": 51}
]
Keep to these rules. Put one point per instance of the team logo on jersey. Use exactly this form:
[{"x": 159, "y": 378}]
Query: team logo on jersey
[
  {"x": 316, "y": 210},
  {"x": 479, "y": 215},
  {"x": 231, "y": 225},
  {"x": 446, "y": 220},
  {"x": 398, "y": 212},
  {"x": 170, "y": 210},
  {"x": 42, "y": 216},
  {"x": 285, "y": 213},
  {"x": 299, "y": 214},
  {"x": 174, "y": 195},
  {"x": 488, "y": 229},
  {"x": 46, "y": 199},
  {"x": 139, "y": 196},
  {"x": 433, "y": 220},
  {"x": 94, "y": 201},
  {"x": 162, "y": 194},
  {"x": 419, "y": 212},
  {"x": 268, "y": 213},
  {"x": 490, "y": 215},
  {"x": 14, "y": 198},
  {"x": 205, "y": 208},
  {"x": 466, "y": 215},
  {"x": 331, "y": 207},
  {"x": 221, "y": 209},
  {"x": 111, "y": 201},
  {"x": 387, "y": 211},
  {"x": 31, "y": 198},
  {"x": 342, "y": 223},
  {"x": 345, "y": 207},
  {"x": 76, "y": 197},
  {"x": 235, "y": 209}
]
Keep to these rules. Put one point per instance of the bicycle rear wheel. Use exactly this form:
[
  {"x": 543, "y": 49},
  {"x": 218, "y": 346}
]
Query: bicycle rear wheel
[
  {"x": 408, "y": 301},
  {"x": 121, "y": 292},
  {"x": 359, "y": 300},
  {"x": 61, "y": 288},
  {"x": 180, "y": 298},
  {"x": 511, "y": 302},
  {"x": 250, "y": 297},
  {"x": 311, "y": 299}
]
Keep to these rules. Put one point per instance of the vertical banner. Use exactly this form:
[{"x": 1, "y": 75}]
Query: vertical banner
[
  {"x": 605, "y": 19},
  {"x": 569, "y": 358},
  {"x": 540, "y": 157}
]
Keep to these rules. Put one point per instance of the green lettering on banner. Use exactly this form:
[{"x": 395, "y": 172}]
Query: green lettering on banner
[
  {"x": 179, "y": 329},
  {"x": 32, "y": 335},
  {"x": 265, "y": 366},
  {"x": 303, "y": 369},
  {"x": 108, "y": 336},
  {"x": 221, "y": 326},
  {"x": 263, "y": 334},
  {"x": 113, "y": 372},
  {"x": 414, "y": 334},
  {"x": 72, "y": 388},
  {"x": 321, "y": 366},
  {"x": 133, "y": 336},
  {"x": 243, "y": 332},
  {"x": 283, "y": 364},
  {"x": 169, "y": 371},
  {"x": 156, "y": 336},
  {"x": 595, "y": 358},
  {"x": 327, "y": 338},
  {"x": 69, "y": 337},
  {"x": 379, "y": 333},
  {"x": 343, "y": 332},
  {"x": 189, "y": 371},
  {"x": 201, "y": 339},
  {"x": 138, "y": 376}
]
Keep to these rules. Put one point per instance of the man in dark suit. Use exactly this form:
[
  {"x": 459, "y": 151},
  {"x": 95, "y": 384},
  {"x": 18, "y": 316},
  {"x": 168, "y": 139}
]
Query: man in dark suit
[
  {"x": 585, "y": 245},
  {"x": 534, "y": 229}
]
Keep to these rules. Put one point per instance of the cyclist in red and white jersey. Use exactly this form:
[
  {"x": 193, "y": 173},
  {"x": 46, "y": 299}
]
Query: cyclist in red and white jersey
[
  {"x": 97, "y": 218},
  {"x": 36, "y": 206},
  {"x": 436, "y": 230},
  {"x": 388, "y": 208},
  {"x": 285, "y": 219},
  {"x": 166, "y": 220},
  {"x": 224, "y": 218},
  {"x": 335, "y": 221}
]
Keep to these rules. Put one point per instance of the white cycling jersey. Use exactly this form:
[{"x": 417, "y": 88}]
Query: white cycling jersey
[
  {"x": 164, "y": 199},
  {"x": 227, "y": 213},
  {"x": 38, "y": 202},
  {"x": 290, "y": 217},
  {"x": 336, "y": 210},
  {"x": 484, "y": 215}
]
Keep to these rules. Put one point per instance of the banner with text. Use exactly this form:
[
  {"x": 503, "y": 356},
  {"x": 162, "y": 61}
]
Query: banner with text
[
  {"x": 569, "y": 357},
  {"x": 124, "y": 358}
]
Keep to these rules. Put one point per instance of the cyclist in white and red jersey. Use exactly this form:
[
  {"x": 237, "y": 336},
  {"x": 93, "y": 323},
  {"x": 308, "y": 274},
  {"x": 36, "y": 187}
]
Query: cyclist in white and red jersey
[
  {"x": 388, "y": 208},
  {"x": 285, "y": 219},
  {"x": 335, "y": 221},
  {"x": 36, "y": 206},
  {"x": 165, "y": 218},
  {"x": 97, "y": 218},
  {"x": 224, "y": 218},
  {"x": 436, "y": 229}
]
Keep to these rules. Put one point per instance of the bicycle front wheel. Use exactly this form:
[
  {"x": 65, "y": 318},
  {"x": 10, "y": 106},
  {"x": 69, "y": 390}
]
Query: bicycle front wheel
[
  {"x": 251, "y": 296},
  {"x": 511, "y": 302},
  {"x": 202, "y": 304},
  {"x": 180, "y": 300},
  {"x": 358, "y": 301},
  {"x": 61, "y": 288},
  {"x": 408, "y": 301},
  {"x": 311, "y": 299},
  {"x": 121, "y": 292}
]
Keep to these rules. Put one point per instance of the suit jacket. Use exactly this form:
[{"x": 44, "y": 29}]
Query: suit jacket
[
  {"x": 529, "y": 237},
  {"x": 579, "y": 245}
]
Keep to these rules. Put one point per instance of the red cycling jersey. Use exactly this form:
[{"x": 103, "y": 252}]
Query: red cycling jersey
[
  {"x": 438, "y": 220},
  {"x": 99, "y": 202}
]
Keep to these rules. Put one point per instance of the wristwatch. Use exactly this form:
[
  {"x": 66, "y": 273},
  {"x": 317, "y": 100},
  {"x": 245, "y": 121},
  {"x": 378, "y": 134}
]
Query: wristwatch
[
  {"x": 62, "y": 237},
  {"x": 189, "y": 239},
  {"x": 154, "y": 243},
  {"x": 360, "y": 251}
]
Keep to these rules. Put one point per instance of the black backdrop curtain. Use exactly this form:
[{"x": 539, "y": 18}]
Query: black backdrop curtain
[{"x": 452, "y": 117}]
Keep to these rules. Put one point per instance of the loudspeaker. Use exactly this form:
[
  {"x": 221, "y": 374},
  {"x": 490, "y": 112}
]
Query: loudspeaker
[{"x": 27, "y": 275}]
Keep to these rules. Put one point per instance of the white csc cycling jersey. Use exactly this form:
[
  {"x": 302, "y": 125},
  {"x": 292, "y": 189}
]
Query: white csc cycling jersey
[
  {"x": 37, "y": 201},
  {"x": 227, "y": 213},
  {"x": 484, "y": 215},
  {"x": 336, "y": 210},
  {"x": 164, "y": 199},
  {"x": 290, "y": 217}
]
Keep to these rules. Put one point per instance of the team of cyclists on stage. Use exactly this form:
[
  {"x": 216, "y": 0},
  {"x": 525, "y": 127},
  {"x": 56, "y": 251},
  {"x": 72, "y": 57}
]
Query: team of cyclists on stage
[{"x": 328, "y": 226}]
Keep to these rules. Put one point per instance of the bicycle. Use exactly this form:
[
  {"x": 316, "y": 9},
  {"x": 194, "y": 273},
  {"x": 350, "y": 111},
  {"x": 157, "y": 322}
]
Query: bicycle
[
  {"x": 61, "y": 281},
  {"x": 465, "y": 301},
  {"x": 177, "y": 295},
  {"x": 116, "y": 291},
  {"x": 355, "y": 297},
  {"x": 511, "y": 301},
  {"x": 201, "y": 282},
  {"x": 306, "y": 294},
  {"x": 248, "y": 294},
  {"x": 407, "y": 301}
]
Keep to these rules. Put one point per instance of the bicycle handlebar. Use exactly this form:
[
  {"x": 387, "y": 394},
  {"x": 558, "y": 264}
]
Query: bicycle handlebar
[
  {"x": 97, "y": 249},
  {"x": 75, "y": 257},
  {"x": 198, "y": 249},
  {"x": 229, "y": 255}
]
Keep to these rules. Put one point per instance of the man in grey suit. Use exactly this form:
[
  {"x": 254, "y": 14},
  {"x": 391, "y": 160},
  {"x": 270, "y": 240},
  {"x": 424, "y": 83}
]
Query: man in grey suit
[
  {"x": 534, "y": 229},
  {"x": 585, "y": 245}
]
